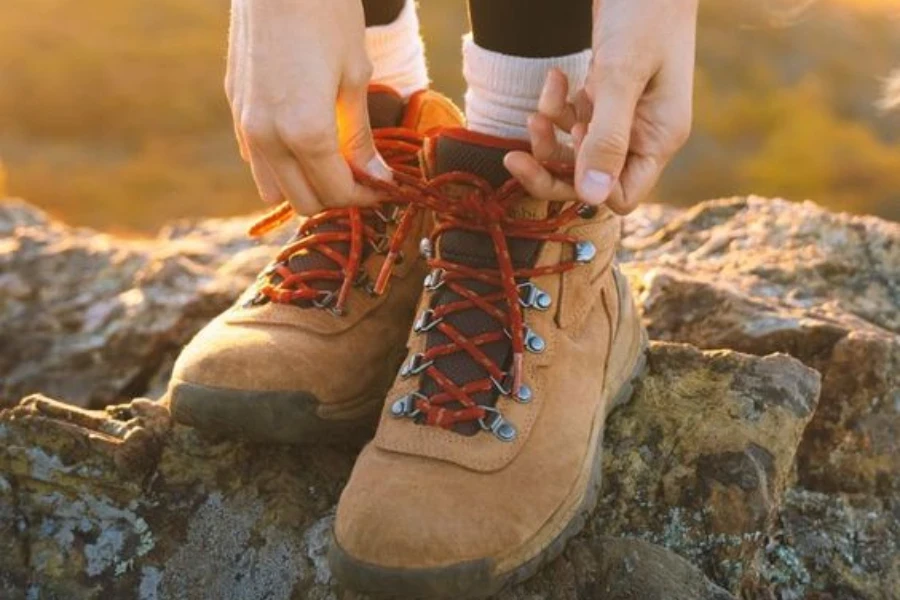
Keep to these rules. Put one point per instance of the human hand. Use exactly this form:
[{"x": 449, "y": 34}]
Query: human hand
[
  {"x": 631, "y": 116},
  {"x": 297, "y": 82}
]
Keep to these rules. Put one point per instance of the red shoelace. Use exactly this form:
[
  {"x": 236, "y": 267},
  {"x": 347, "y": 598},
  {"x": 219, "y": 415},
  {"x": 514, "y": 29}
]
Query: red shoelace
[
  {"x": 483, "y": 210},
  {"x": 398, "y": 146}
]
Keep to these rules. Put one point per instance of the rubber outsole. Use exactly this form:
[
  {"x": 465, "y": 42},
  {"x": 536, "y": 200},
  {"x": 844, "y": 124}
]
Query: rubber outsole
[
  {"x": 477, "y": 579},
  {"x": 273, "y": 417}
]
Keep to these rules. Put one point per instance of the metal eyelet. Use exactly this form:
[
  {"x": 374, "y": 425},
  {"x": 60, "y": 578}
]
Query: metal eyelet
[
  {"x": 533, "y": 342},
  {"x": 426, "y": 248},
  {"x": 585, "y": 251},
  {"x": 531, "y": 296},
  {"x": 502, "y": 429},
  {"x": 365, "y": 282},
  {"x": 415, "y": 365},
  {"x": 406, "y": 405},
  {"x": 426, "y": 321},
  {"x": 503, "y": 387},
  {"x": 390, "y": 218},
  {"x": 587, "y": 211},
  {"x": 326, "y": 301},
  {"x": 257, "y": 299},
  {"x": 434, "y": 279},
  {"x": 524, "y": 394},
  {"x": 381, "y": 245}
]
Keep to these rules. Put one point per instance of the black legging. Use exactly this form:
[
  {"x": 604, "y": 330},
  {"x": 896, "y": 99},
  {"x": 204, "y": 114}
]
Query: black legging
[{"x": 529, "y": 28}]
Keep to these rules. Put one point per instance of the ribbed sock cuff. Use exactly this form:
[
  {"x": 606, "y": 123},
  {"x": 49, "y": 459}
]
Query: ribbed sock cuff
[
  {"x": 398, "y": 54},
  {"x": 503, "y": 90}
]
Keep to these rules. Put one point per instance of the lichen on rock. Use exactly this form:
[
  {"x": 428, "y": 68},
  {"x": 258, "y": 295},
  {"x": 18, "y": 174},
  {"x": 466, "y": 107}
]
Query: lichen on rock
[{"x": 758, "y": 458}]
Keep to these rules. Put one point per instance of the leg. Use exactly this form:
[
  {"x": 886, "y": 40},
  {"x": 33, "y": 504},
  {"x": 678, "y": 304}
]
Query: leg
[
  {"x": 506, "y": 59},
  {"x": 382, "y": 12},
  {"x": 487, "y": 457},
  {"x": 531, "y": 29},
  {"x": 394, "y": 45}
]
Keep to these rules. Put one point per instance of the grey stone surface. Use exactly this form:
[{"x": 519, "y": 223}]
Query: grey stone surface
[{"x": 769, "y": 477}]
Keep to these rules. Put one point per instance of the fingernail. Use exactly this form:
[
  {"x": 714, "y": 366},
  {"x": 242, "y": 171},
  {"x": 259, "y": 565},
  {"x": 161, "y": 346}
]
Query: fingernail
[
  {"x": 271, "y": 197},
  {"x": 595, "y": 186},
  {"x": 377, "y": 169}
]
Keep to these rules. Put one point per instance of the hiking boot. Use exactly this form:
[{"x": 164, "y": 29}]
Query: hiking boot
[
  {"x": 487, "y": 456},
  {"x": 308, "y": 352}
]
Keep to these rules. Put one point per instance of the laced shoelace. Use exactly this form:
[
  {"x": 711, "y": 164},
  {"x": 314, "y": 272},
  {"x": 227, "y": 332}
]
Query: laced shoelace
[
  {"x": 483, "y": 210},
  {"x": 282, "y": 285}
]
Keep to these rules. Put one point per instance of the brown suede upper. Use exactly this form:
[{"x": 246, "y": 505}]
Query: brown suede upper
[
  {"x": 423, "y": 496},
  {"x": 342, "y": 360}
]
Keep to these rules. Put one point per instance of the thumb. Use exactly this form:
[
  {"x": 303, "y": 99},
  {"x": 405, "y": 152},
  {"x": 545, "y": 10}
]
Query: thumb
[
  {"x": 604, "y": 149},
  {"x": 355, "y": 131}
]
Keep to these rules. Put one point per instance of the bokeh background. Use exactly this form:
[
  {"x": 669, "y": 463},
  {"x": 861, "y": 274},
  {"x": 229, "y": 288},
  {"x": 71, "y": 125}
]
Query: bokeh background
[{"x": 112, "y": 112}]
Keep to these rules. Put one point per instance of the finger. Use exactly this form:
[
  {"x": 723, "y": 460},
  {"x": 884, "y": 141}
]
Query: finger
[
  {"x": 578, "y": 133},
  {"x": 235, "y": 72},
  {"x": 544, "y": 143},
  {"x": 604, "y": 148},
  {"x": 537, "y": 180},
  {"x": 554, "y": 100},
  {"x": 354, "y": 128},
  {"x": 295, "y": 187},
  {"x": 327, "y": 170},
  {"x": 243, "y": 148},
  {"x": 583, "y": 107},
  {"x": 661, "y": 127},
  {"x": 638, "y": 178},
  {"x": 266, "y": 181}
]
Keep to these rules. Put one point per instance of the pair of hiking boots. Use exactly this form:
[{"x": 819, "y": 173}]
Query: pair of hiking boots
[{"x": 487, "y": 334}]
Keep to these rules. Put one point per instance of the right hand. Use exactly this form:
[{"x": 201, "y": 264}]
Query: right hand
[{"x": 293, "y": 67}]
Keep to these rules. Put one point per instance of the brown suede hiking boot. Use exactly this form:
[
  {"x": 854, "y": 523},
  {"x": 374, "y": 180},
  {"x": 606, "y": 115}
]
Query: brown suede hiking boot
[
  {"x": 487, "y": 457},
  {"x": 309, "y": 351}
]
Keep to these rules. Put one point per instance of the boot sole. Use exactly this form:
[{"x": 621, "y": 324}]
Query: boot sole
[
  {"x": 486, "y": 577},
  {"x": 284, "y": 417}
]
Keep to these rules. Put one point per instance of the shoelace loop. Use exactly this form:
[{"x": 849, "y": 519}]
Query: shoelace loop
[
  {"x": 485, "y": 210},
  {"x": 398, "y": 147}
]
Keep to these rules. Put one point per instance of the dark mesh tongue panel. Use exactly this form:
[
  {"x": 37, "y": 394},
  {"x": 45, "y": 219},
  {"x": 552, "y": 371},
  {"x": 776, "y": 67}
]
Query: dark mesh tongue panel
[
  {"x": 475, "y": 250},
  {"x": 386, "y": 109},
  {"x": 484, "y": 161}
]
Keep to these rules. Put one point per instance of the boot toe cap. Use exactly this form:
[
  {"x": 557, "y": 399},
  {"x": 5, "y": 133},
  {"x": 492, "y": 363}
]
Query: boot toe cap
[
  {"x": 268, "y": 383},
  {"x": 405, "y": 517}
]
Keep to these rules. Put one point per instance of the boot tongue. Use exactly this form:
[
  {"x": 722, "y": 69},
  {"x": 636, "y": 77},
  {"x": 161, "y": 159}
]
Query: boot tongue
[
  {"x": 461, "y": 150},
  {"x": 386, "y": 107},
  {"x": 482, "y": 155},
  {"x": 478, "y": 154}
]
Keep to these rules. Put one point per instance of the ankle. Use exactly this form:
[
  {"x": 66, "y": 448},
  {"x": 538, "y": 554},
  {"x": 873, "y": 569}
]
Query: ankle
[
  {"x": 503, "y": 90},
  {"x": 397, "y": 53}
]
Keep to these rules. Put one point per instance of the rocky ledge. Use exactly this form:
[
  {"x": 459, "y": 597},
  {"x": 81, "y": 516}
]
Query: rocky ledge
[{"x": 759, "y": 457}]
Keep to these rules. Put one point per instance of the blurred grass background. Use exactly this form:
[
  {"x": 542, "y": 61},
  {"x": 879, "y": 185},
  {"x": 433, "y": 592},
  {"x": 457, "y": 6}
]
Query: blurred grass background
[{"x": 112, "y": 112}]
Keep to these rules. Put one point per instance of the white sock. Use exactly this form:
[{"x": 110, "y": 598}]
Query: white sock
[
  {"x": 503, "y": 90},
  {"x": 397, "y": 53}
]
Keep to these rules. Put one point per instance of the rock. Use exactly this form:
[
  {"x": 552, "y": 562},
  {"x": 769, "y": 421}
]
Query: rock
[
  {"x": 630, "y": 569},
  {"x": 834, "y": 546},
  {"x": 699, "y": 461},
  {"x": 94, "y": 319},
  {"x": 763, "y": 276},
  {"x": 723, "y": 457},
  {"x": 118, "y": 503}
]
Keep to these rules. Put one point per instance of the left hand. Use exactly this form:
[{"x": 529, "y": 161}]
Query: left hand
[{"x": 631, "y": 116}]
